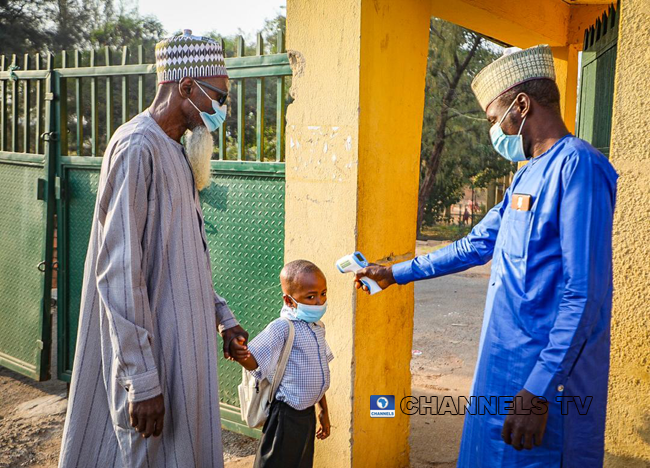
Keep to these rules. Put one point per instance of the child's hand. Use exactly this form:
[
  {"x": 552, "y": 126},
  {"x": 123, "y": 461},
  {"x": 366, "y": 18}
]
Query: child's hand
[
  {"x": 323, "y": 431},
  {"x": 238, "y": 349}
]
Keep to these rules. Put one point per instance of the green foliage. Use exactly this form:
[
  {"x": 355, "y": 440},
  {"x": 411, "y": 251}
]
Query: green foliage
[
  {"x": 467, "y": 156},
  {"x": 128, "y": 30},
  {"x": 37, "y": 26}
]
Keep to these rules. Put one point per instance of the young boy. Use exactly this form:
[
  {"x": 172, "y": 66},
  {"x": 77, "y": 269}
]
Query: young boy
[{"x": 288, "y": 433}]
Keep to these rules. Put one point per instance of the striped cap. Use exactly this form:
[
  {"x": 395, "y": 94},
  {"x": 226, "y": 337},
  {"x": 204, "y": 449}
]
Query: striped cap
[
  {"x": 511, "y": 70},
  {"x": 187, "y": 55}
]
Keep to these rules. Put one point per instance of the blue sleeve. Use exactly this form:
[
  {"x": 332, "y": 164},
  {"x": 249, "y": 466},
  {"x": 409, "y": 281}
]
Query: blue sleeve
[
  {"x": 267, "y": 347},
  {"x": 586, "y": 211},
  {"x": 474, "y": 249}
]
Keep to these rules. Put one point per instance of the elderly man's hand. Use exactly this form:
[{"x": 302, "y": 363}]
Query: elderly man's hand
[
  {"x": 235, "y": 349},
  {"x": 147, "y": 416},
  {"x": 383, "y": 275},
  {"x": 526, "y": 423}
]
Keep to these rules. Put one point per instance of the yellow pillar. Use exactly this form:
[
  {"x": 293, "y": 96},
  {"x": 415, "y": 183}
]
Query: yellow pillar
[
  {"x": 353, "y": 144},
  {"x": 628, "y": 412},
  {"x": 566, "y": 70}
]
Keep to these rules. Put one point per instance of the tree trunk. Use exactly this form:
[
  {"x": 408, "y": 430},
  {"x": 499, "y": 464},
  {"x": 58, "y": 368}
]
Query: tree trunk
[
  {"x": 432, "y": 161},
  {"x": 491, "y": 195}
]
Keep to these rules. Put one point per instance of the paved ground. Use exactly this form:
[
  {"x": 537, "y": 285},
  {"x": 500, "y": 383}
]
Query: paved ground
[{"x": 448, "y": 317}]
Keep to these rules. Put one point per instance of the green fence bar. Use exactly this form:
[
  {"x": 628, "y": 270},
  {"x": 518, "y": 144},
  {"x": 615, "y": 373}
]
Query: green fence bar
[
  {"x": 260, "y": 104},
  {"x": 141, "y": 103},
  {"x": 78, "y": 103},
  {"x": 125, "y": 86},
  {"x": 109, "y": 98},
  {"x": 14, "y": 110},
  {"x": 63, "y": 105},
  {"x": 94, "y": 111},
  {"x": 241, "y": 108},
  {"x": 280, "y": 107},
  {"x": 3, "y": 108},
  {"x": 39, "y": 108},
  {"x": 27, "y": 105}
]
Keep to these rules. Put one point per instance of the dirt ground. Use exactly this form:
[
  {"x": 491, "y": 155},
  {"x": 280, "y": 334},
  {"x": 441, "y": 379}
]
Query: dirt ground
[
  {"x": 448, "y": 316},
  {"x": 31, "y": 423},
  {"x": 447, "y": 327}
]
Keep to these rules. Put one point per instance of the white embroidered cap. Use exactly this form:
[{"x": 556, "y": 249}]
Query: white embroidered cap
[{"x": 513, "y": 68}]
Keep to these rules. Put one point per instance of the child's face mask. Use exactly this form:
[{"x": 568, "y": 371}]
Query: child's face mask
[{"x": 309, "y": 313}]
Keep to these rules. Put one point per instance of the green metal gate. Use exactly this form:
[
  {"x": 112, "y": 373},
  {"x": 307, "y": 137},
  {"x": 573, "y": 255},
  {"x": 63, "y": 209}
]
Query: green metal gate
[
  {"x": 26, "y": 221},
  {"x": 243, "y": 208},
  {"x": 597, "y": 81}
]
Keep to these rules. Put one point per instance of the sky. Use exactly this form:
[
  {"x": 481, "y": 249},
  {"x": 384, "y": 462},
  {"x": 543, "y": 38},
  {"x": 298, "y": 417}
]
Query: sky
[{"x": 203, "y": 16}]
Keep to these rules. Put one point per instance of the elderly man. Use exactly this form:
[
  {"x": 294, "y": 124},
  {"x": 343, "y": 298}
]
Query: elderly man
[
  {"x": 546, "y": 328},
  {"x": 147, "y": 347}
]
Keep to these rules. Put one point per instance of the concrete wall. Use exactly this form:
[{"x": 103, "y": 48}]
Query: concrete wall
[{"x": 628, "y": 416}]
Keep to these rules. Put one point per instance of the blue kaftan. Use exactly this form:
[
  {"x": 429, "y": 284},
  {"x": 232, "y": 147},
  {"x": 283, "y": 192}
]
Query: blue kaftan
[{"x": 546, "y": 326}]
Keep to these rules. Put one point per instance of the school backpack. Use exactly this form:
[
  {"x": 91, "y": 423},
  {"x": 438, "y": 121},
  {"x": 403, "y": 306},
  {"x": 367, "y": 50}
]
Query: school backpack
[{"x": 256, "y": 396}]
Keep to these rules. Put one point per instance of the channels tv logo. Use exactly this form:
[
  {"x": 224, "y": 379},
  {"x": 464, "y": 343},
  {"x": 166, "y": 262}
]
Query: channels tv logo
[{"x": 382, "y": 406}]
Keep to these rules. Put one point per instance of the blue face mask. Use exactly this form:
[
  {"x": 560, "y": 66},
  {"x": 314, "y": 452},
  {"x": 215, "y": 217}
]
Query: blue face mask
[
  {"x": 212, "y": 121},
  {"x": 309, "y": 313},
  {"x": 510, "y": 147}
]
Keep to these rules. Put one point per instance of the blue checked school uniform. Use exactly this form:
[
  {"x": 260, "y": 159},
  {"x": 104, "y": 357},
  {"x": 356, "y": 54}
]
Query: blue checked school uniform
[{"x": 307, "y": 375}]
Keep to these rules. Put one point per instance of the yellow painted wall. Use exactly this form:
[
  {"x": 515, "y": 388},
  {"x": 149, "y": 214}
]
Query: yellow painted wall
[
  {"x": 394, "y": 47},
  {"x": 566, "y": 70},
  {"x": 353, "y": 143},
  {"x": 628, "y": 415},
  {"x": 322, "y": 139}
]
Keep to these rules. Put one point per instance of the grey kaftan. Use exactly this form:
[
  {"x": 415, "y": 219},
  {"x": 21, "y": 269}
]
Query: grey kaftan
[{"x": 149, "y": 313}]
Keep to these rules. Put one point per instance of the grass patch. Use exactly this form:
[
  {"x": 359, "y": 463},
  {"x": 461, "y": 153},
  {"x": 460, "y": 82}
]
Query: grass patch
[{"x": 444, "y": 232}]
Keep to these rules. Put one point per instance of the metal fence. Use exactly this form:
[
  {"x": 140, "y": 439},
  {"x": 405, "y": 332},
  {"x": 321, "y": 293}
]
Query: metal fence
[{"x": 55, "y": 122}]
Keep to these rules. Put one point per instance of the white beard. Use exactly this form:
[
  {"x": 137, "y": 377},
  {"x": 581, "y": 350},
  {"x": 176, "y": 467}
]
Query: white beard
[{"x": 199, "y": 146}]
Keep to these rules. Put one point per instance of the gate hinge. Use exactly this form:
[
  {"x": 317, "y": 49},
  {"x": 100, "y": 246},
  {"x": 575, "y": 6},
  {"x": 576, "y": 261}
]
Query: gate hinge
[
  {"x": 49, "y": 96},
  {"x": 58, "y": 190},
  {"x": 40, "y": 344}
]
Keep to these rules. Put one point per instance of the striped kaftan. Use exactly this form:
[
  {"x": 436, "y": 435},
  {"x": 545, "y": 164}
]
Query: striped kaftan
[{"x": 149, "y": 313}]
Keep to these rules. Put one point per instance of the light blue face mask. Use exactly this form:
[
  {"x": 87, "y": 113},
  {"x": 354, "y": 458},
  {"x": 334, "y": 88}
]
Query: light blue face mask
[
  {"x": 309, "y": 313},
  {"x": 510, "y": 147},
  {"x": 212, "y": 121}
]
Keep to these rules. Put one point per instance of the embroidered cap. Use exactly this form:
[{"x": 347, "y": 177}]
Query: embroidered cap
[
  {"x": 513, "y": 68},
  {"x": 188, "y": 55}
]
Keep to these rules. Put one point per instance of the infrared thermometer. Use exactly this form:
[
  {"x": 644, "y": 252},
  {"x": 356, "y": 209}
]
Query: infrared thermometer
[{"x": 353, "y": 263}]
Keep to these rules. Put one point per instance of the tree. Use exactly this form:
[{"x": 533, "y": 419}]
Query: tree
[
  {"x": 32, "y": 26},
  {"x": 455, "y": 134},
  {"x": 128, "y": 29}
]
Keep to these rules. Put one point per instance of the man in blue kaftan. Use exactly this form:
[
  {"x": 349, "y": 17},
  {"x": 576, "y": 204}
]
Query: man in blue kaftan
[{"x": 546, "y": 328}]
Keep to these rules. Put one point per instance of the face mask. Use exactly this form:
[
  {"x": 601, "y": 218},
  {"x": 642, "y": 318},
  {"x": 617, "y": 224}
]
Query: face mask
[
  {"x": 212, "y": 121},
  {"x": 309, "y": 313},
  {"x": 510, "y": 147}
]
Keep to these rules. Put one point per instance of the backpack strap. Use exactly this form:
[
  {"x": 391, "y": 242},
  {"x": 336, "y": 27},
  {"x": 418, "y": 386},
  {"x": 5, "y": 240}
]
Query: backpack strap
[{"x": 282, "y": 363}]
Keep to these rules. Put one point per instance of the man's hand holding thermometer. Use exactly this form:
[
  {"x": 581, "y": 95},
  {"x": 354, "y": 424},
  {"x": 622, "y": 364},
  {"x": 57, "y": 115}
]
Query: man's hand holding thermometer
[{"x": 371, "y": 278}]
